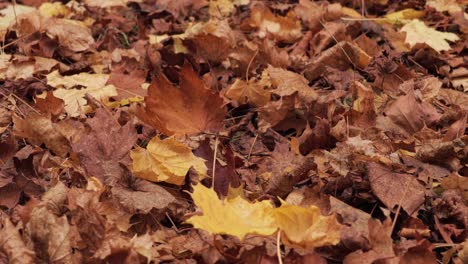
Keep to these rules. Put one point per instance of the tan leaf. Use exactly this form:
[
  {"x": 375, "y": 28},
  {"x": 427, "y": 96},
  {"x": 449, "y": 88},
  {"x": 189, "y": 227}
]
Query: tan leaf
[
  {"x": 286, "y": 28},
  {"x": 74, "y": 99},
  {"x": 39, "y": 129},
  {"x": 248, "y": 92},
  {"x": 166, "y": 160},
  {"x": 12, "y": 244},
  {"x": 394, "y": 188},
  {"x": 418, "y": 32}
]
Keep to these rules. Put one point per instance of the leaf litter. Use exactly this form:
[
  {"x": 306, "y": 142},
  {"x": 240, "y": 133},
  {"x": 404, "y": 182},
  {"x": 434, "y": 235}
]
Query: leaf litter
[{"x": 148, "y": 131}]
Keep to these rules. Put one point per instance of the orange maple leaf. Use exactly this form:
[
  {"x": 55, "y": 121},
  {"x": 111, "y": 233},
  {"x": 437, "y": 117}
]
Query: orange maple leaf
[{"x": 190, "y": 109}]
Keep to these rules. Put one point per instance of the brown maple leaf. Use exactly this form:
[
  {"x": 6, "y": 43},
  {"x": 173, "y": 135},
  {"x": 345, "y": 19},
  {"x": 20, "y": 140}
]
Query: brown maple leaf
[{"x": 190, "y": 109}]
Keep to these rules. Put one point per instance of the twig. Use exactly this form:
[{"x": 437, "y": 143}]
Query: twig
[
  {"x": 214, "y": 163},
  {"x": 278, "y": 247}
]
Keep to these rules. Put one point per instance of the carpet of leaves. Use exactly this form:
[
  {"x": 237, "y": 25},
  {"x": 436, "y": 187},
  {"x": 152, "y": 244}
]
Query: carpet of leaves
[{"x": 243, "y": 131}]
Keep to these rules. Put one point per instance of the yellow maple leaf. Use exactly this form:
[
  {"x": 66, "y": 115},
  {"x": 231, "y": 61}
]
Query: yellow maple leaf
[
  {"x": 165, "y": 160},
  {"x": 302, "y": 227},
  {"x": 418, "y": 32},
  {"x": 75, "y": 103},
  {"x": 235, "y": 216},
  {"x": 306, "y": 227}
]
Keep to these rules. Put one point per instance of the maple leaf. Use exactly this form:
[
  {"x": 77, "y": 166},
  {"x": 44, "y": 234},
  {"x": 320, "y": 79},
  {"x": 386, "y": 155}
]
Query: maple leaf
[
  {"x": 303, "y": 227},
  {"x": 235, "y": 216},
  {"x": 248, "y": 92},
  {"x": 106, "y": 146},
  {"x": 165, "y": 160},
  {"x": 418, "y": 32},
  {"x": 190, "y": 109},
  {"x": 74, "y": 99},
  {"x": 306, "y": 227}
]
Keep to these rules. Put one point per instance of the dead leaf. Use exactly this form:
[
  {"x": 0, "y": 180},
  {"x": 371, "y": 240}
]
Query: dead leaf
[
  {"x": 394, "y": 188},
  {"x": 248, "y": 92},
  {"x": 74, "y": 99},
  {"x": 417, "y": 32},
  {"x": 190, "y": 109},
  {"x": 235, "y": 216},
  {"x": 286, "y": 28},
  {"x": 105, "y": 147},
  {"x": 166, "y": 160},
  {"x": 39, "y": 129},
  {"x": 13, "y": 245}
]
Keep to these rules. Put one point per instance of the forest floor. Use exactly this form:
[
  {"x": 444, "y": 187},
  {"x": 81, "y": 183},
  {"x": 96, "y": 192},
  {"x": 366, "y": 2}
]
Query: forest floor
[{"x": 233, "y": 131}]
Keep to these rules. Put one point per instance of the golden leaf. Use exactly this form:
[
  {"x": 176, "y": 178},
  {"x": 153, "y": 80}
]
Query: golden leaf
[
  {"x": 302, "y": 227},
  {"x": 236, "y": 216},
  {"x": 306, "y": 227},
  {"x": 418, "y": 32},
  {"x": 165, "y": 160}
]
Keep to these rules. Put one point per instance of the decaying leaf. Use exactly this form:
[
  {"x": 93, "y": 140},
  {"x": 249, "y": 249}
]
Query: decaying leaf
[
  {"x": 396, "y": 188},
  {"x": 166, "y": 160}
]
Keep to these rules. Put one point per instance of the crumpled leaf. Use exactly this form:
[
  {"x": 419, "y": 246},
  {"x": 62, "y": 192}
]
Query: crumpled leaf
[
  {"x": 286, "y": 28},
  {"x": 50, "y": 232},
  {"x": 302, "y": 227},
  {"x": 418, "y": 32},
  {"x": 190, "y": 109},
  {"x": 39, "y": 129},
  {"x": 13, "y": 245},
  {"x": 165, "y": 160},
  {"x": 9, "y": 14},
  {"x": 74, "y": 99}
]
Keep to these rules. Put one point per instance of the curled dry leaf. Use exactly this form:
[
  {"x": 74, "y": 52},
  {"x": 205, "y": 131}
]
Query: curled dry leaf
[
  {"x": 306, "y": 227},
  {"x": 286, "y": 28},
  {"x": 166, "y": 160},
  {"x": 13, "y": 245},
  {"x": 190, "y": 109},
  {"x": 39, "y": 129}
]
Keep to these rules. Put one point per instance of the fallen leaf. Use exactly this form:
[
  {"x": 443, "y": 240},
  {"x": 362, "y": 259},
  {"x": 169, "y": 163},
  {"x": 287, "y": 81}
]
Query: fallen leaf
[
  {"x": 105, "y": 147},
  {"x": 190, "y": 109},
  {"x": 13, "y": 245},
  {"x": 248, "y": 92},
  {"x": 417, "y": 32},
  {"x": 235, "y": 216},
  {"x": 39, "y": 129},
  {"x": 394, "y": 188},
  {"x": 286, "y": 28},
  {"x": 166, "y": 160},
  {"x": 74, "y": 99},
  {"x": 306, "y": 227}
]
